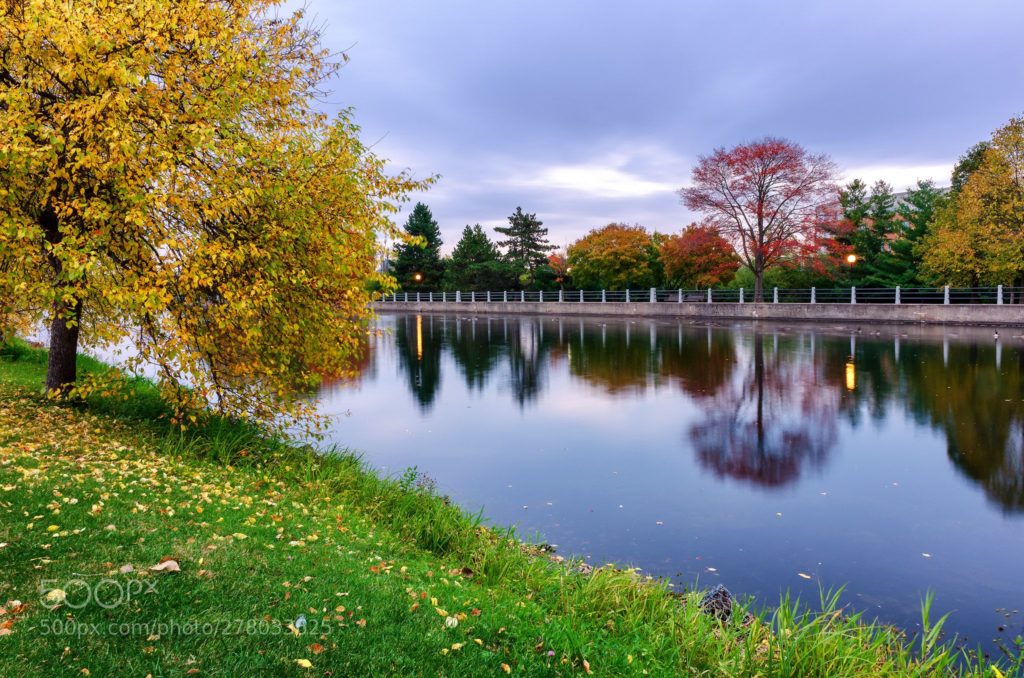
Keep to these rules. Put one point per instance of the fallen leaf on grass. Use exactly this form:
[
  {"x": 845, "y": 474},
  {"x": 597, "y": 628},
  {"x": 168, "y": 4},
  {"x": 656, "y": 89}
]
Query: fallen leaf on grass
[
  {"x": 316, "y": 648},
  {"x": 506, "y": 668},
  {"x": 167, "y": 566},
  {"x": 586, "y": 666},
  {"x": 304, "y": 663}
]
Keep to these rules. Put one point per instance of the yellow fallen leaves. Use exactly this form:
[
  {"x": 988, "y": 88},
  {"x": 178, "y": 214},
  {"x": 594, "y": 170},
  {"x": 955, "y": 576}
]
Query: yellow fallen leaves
[
  {"x": 304, "y": 663},
  {"x": 506, "y": 668}
]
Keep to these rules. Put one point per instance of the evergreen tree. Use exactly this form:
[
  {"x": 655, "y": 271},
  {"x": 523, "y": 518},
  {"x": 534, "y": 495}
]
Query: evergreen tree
[
  {"x": 917, "y": 212},
  {"x": 526, "y": 244},
  {"x": 418, "y": 265},
  {"x": 476, "y": 264}
]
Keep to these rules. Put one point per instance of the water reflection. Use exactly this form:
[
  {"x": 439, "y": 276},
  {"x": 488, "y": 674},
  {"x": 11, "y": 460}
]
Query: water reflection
[
  {"x": 769, "y": 402},
  {"x": 774, "y": 417}
]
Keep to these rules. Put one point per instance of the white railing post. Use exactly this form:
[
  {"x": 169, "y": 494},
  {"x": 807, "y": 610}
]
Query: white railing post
[
  {"x": 604, "y": 297},
  {"x": 945, "y": 295},
  {"x": 999, "y": 294},
  {"x": 897, "y": 295},
  {"x": 853, "y": 295},
  {"x": 679, "y": 299},
  {"x": 522, "y": 296},
  {"x": 775, "y": 295},
  {"x": 417, "y": 297},
  {"x": 814, "y": 294},
  {"x": 581, "y": 296},
  {"x": 407, "y": 296},
  {"x": 504, "y": 296},
  {"x": 561, "y": 295},
  {"x": 741, "y": 295},
  {"x": 627, "y": 295},
  {"x": 431, "y": 295},
  {"x": 542, "y": 295},
  {"x": 458, "y": 296},
  {"x": 654, "y": 295},
  {"x": 444, "y": 297},
  {"x": 488, "y": 296},
  {"x": 472, "y": 296},
  {"x": 709, "y": 295}
]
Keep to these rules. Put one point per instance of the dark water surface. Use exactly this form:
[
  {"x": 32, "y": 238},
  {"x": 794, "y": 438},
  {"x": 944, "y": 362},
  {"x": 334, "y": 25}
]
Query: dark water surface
[{"x": 889, "y": 460}]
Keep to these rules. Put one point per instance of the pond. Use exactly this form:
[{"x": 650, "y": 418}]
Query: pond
[{"x": 889, "y": 460}]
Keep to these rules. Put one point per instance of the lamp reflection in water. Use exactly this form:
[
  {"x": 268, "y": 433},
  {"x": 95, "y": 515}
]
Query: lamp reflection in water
[
  {"x": 419, "y": 337},
  {"x": 851, "y": 376}
]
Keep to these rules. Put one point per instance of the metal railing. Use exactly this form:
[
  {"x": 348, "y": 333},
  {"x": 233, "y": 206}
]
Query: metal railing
[{"x": 775, "y": 295}]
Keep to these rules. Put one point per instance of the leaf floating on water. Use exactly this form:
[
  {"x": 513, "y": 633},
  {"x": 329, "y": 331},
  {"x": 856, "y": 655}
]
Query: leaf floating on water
[
  {"x": 712, "y": 569},
  {"x": 803, "y": 576},
  {"x": 927, "y": 555},
  {"x": 658, "y": 522}
]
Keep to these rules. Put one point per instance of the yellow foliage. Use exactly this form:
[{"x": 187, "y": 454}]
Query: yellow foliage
[
  {"x": 978, "y": 238},
  {"x": 166, "y": 179}
]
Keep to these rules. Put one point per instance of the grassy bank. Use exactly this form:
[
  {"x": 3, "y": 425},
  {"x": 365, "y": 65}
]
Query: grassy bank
[{"x": 293, "y": 563}]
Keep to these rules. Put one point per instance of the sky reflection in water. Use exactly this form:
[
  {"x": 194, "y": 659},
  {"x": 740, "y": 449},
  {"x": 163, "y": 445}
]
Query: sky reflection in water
[{"x": 889, "y": 460}]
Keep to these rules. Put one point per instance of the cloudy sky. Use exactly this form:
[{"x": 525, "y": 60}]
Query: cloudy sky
[{"x": 592, "y": 111}]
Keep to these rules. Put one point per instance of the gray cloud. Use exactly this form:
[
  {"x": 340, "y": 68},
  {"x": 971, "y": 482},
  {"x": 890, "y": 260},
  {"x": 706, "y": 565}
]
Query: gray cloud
[{"x": 591, "y": 111}]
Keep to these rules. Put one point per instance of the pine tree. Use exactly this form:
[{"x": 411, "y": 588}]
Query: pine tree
[
  {"x": 476, "y": 264},
  {"x": 526, "y": 242},
  {"x": 418, "y": 265}
]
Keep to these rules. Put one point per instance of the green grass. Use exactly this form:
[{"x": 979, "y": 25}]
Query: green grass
[{"x": 265, "y": 532}]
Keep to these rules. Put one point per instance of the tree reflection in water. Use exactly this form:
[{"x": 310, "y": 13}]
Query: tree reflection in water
[
  {"x": 773, "y": 417},
  {"x": 770, "y": 404}
]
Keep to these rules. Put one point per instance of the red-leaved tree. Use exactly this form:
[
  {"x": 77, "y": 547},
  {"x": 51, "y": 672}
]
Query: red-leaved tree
[
  {"x": 767, "y": 198},
  {"x": 698, "y": 257}
]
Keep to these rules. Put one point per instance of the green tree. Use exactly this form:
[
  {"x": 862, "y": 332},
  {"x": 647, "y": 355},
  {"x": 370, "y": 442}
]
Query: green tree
[
  {"x": 476, "y": 264},
  {"x": 916, "y": 211},
  {"x": 615, "y": 257},
  {"x": 526, "y": 244},
  {"x": 968, "y": 164},
  {"x": 418, "y": 264}
]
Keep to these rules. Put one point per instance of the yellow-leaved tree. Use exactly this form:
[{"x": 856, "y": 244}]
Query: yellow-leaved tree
[
  {"x": 977, "y": 237},
  {"x": 165, "y": 178}
]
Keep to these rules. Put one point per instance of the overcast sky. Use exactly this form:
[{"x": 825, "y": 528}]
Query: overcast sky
[{"x": 593, "y": 111}]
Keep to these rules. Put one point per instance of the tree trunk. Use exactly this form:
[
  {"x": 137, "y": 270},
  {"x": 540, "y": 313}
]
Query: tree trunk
[
  {"x": 64, "y": 328},
  {"x": 758, "y": 284},
  {"x": 60, "y": 371}
]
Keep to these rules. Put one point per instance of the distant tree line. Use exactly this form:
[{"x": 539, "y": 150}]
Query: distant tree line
[{"x": 773, "y": 216}]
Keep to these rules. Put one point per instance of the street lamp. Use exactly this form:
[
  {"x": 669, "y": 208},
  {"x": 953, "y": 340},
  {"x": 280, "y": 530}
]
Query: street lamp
[
  {"x": 851, "y": 259},
  {"x": 417, "y": 277}
]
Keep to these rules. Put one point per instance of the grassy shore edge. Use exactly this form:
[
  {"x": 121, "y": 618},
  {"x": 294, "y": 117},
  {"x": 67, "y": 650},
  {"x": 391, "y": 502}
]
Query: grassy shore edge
[{"x": 557, "y": 619}]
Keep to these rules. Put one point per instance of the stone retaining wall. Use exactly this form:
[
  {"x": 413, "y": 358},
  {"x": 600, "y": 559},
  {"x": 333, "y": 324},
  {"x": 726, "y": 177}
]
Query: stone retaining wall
[{"x": 1006, "y": 315}]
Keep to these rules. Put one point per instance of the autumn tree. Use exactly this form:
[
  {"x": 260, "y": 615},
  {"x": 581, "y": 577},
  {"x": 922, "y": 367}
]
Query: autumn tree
[
  {"x": 165, "y": 180},
  {"x": 977, "y": 237},
  {"x": 418, "y": 264},
  {"x": 476, "y": 264},
  {"x": 526, "y": 242},
  {"x": 615, "y": 257},
  {"x": 698, "y": 257},
  {"x": 967, "y": 164},
  {"x": 767, "y": 198}
]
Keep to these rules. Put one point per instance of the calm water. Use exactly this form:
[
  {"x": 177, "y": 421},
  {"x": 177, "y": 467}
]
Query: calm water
[{"x": 889, "y": 460}]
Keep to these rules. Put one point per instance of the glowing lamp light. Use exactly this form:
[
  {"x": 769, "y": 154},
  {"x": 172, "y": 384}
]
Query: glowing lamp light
[
  {"x": 418, "y": 277},
  {"x": 851, "y": 259}
]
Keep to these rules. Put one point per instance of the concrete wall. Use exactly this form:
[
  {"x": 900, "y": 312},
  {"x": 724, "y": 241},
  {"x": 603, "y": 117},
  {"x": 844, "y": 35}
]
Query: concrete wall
[{"x": 1007, "y": 315}]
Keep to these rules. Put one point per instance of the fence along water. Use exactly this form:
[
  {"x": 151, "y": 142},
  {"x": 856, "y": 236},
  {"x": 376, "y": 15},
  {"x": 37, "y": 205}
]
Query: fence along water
[{"x": 998, "y": 295}]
